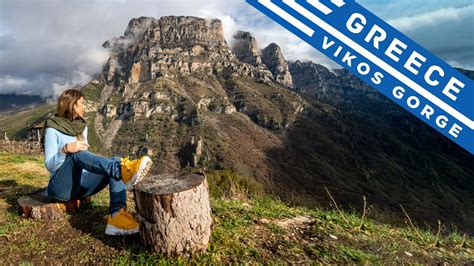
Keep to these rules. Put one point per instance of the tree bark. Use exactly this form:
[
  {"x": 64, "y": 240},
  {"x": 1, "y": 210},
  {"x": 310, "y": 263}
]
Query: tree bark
[
  {"x": 37, "y": 205},
  {"x": 174, "y": 213}
]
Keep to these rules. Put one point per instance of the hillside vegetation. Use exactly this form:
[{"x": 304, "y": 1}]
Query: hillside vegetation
[{"x": 248, "y": 227}]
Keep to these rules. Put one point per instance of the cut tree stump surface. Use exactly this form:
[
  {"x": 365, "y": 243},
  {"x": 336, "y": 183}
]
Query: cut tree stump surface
[
  {"x": 37, "y": 205},
  {"x": 169, "y": 183},
  {"x": 174, "y": 213}
]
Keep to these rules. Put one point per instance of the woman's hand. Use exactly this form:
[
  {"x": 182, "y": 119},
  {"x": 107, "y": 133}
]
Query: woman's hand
[{"x": 75, "y": 146}]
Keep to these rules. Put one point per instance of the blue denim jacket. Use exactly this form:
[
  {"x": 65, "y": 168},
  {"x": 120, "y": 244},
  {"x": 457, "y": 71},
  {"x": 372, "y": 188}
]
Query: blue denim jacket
[{"x": 53, "y": 142}]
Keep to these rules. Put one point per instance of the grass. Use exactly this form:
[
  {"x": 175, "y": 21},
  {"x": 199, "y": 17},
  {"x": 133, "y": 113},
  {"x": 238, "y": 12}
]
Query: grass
[
  {"x": 92, "y": 136},
  {"x": 92, "y": 91},
  {"x": 15, "y": 125},
  {"x": 249, "y": 227}
]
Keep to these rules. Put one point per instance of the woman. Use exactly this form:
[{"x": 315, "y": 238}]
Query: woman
[{"x": 77, "y": 173}]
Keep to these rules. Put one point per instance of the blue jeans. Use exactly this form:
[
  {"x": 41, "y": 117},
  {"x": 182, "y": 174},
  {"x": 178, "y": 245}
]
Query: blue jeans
[{"x": 71, "y": 182}]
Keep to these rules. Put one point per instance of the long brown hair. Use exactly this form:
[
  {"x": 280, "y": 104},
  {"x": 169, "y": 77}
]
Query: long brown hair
[{"x": 66, "y": 103}]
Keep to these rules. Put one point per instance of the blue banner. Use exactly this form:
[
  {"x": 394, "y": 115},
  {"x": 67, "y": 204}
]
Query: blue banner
[{"x": 384, "y": 58}]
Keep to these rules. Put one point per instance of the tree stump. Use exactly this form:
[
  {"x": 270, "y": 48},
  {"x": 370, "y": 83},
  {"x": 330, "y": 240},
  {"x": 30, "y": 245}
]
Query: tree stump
[
  {"x": 37, "y": 205},
  {"x": 174, "y": 213}
]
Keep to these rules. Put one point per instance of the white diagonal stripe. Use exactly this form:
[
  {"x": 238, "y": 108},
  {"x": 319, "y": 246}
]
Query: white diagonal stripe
[
  {"x": 338, "y": 3},
  {"x": 289, "y": 18},
  {"x": 382, "y": 64},
  {"x": 326, "y": 10}
]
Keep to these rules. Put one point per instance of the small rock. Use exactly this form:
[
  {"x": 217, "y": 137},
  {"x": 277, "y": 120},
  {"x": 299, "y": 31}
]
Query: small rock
[
  {"x": 296, "y": 221},
  {"x": 109, "y": 110},
  {"x": 246, "y": 205}
]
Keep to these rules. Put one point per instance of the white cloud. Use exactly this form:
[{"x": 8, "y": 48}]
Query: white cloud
[
  {"x": 91, "y": 60},
  {"x": 447, "y": 32},
  {"x": 12, "y": 82},
  {"x": 437, "y": 17},
  {"x": 230, "y": 26}
]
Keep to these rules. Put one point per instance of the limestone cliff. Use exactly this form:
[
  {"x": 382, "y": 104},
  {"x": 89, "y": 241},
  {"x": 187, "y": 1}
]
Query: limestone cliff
[
  {"x": 273, "y": 58},
  {"x": 171, "y": 46}
]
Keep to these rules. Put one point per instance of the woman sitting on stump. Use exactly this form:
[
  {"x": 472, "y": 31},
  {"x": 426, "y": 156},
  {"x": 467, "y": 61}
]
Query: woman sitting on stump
[{"x": 77, "y": 173}]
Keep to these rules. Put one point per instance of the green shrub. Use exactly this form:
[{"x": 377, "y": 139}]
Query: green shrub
[{"x": 228, "y": 183}]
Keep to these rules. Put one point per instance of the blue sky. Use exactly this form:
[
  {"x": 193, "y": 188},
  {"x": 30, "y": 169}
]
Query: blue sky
[
  {"x": 390, "y": 9},
  {"x": 47, "y": 46}
]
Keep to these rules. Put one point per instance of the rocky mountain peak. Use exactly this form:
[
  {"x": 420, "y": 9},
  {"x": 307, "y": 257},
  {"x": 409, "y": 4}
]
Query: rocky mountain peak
[
  {"x": 151, "y": 48},
  {"x": 272, "y": 48},
  {"x": 246, "y": 49},
  {"x": 170, "y": 32},
  {"x": 137, "y": 26},
  {"x": 273, "y": 58},
  {"x": 134, "y": 32}
]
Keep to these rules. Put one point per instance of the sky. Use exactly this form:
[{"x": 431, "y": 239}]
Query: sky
[{"x": 47, "y": 46}]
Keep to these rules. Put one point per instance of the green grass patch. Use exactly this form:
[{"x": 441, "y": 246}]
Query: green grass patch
[
  {"x": 16, "y": 125},
  {"x": 227, "y": 183},
  {"x": 92, "y": 136},
  {"x": 249, "y": 227},
  {"x": 92, "y": 92}
]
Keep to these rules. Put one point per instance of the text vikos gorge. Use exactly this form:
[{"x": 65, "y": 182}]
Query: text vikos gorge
[{"x": 434, "y": 75}]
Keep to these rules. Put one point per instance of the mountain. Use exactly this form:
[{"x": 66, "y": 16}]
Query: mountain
[
  {"x": 11, "y": 102},
  {"x": 395, "y": 154},
  {"x": 175, "y": 89},
  {"x": 273, "y": 58}
]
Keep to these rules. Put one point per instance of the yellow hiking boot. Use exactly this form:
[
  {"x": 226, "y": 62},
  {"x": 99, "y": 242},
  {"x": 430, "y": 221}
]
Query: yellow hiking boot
[
  {"x": 122, "y": 224},
  {"x": 134, "y": 171}
]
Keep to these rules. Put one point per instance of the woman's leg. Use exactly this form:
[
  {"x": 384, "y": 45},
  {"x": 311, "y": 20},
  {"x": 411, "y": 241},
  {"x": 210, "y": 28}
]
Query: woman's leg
[
  {"x": 97, "y": 164},
  {"x": 92, "y": 183},
  {"x": 65, "y": 184}
]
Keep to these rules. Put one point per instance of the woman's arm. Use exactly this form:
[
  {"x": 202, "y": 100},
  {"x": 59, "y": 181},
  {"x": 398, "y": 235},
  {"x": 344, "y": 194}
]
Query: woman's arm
[{"x": 54, "y": 157}]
